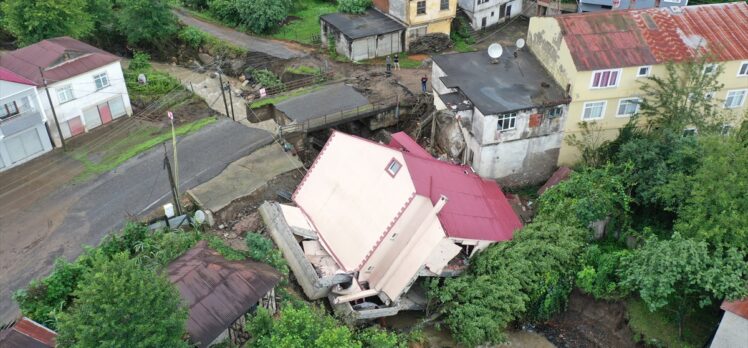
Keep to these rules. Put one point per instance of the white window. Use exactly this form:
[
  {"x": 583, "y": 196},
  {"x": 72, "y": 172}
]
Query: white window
[
  {"x": 65, "y": 94},
  {"x": 8, "y": 109},
  {"x": 421, "y": 8},
  {"x": 507, "y": 121},
  {"x": 482, "y": 2},
  {"x": 605, "y": 78},
  {"x": 593, "y": 110},
  {"x": 394, "y": 167},
  {"x": 643, "y": 71},
  {"x": 554, "y": 112},
  {"x": 444, "y": 5},
  {"x": 101, "y": 80},
  {"x": 710, "y": 68},
  {"x": 628, "y": 106},
  {"x": 743, "y": 70},
  {"x": 735, "y": 98}
]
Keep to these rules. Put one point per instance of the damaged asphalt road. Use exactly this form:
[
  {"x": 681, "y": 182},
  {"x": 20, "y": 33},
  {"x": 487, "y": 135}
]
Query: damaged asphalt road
[{"x": 57, "y": 225}]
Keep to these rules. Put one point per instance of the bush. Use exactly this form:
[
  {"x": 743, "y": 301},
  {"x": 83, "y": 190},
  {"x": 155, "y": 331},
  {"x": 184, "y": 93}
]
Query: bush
[
  {"x": 140, "y": 61},
  {"x": 267, "y": 79},
  {"x": 262, "y": 249},
  {"x": 193, "y": 37},
  {"x": 44, "y": 299},
  {"x": 353, "y": 6},
  {"x": 259, "y": 16},
  {"x": 225, "y": 10},
  {"x": 601, "y": 274}
]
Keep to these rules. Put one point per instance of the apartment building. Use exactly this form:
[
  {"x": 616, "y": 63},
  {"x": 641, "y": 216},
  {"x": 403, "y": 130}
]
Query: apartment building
[{"x": 421, "y": 17}]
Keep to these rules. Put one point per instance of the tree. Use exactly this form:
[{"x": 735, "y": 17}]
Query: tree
[
  {"x": 715, "y": 208},
  {"x": 682, "y": 97},
  {"x": 260, "y": 16},
  {"x": 679, "y": 271},
  {"x": 119, "y": 303},
  {"x": 146, "y": 22},
  {"x": 353, "y": 6},
  {"x": 33, "y": 21},
  {"x": 301, "y": 326}
]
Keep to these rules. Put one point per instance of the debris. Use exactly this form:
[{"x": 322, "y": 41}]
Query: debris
[
  {"x": 249, "y": 223},
  {"x": 429, "y": 43},
  {"x": 221, "y": 226}
]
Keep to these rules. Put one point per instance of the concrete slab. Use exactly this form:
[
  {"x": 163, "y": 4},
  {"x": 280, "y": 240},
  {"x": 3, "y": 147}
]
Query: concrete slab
[
  {"x": 243, "y": 177},
  {"x": 328, "y": 100}
]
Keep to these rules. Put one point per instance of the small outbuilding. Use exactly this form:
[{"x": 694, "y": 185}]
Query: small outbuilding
[
  {"x": 218, "y": 292},
  {"x": 362, "y": 36},
  {"x": 26, "y": 333}
]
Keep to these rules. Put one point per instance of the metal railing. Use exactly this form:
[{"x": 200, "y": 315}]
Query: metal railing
[{"x": 336, "y": 118}]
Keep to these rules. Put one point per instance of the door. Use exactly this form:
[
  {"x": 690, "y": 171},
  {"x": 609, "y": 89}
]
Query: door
[
  {"x": 117, "y": 107},
  {"x": 483, "y": 22},
  {"x": 508, "y": 12},
  {"x": 502, "y": 11},
  {"x": 106, "y": 114},
  {"x": 24, "y": 145},
  {"x": 76, "y": 126}
]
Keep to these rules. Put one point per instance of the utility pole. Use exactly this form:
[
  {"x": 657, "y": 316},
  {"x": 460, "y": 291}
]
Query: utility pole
[
  {"x": 54, "y": 114},
  {"x": 174, "y": 190},
  {"x": 223, "y": 93},
  {"x": 231, "y": 101}
]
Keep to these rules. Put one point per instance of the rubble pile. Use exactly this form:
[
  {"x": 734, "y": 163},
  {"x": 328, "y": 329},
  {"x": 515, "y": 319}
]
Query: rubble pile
[{"x": 430, "y": 43}]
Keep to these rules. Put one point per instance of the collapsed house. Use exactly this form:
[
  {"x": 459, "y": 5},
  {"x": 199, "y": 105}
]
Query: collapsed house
[{"x": 372, "y": 218}]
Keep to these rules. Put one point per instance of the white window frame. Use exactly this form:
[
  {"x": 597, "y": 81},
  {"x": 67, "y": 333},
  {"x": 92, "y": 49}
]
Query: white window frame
[
  {"x": 710, "y": 66},
  {"x": 740, "y": 69},
  {"x": 393, "y": 167},
  {"x": 637, "y": 101},
  {"x": 639, "y": 69},
  {"x": 742, "y": 99},
  {"x": 104, "y": 77},
  {"x": 511, "y": 117},
  {"x": 425, "y": 7},
  {"x": 601, "y": 72},
  {"x": 602, "y": 113},
  {"x": 66, "y": 88}
]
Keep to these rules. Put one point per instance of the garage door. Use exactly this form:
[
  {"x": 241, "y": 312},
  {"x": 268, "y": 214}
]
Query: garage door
[
  {"x": 117, "y": 107},
  {"x": 24, "y": 145},
  {"x": 92, "y": 117}
]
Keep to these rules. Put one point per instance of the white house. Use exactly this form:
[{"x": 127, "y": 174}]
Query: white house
[
  {"x": 23, "y": 132},
  {"x": 485, "y": 13},
  {"x": 733, "y": 329},
  {"x": 510, "y": 111},
  {"x": 86, "y": 85},
  {"x": 372, "y": 218}
]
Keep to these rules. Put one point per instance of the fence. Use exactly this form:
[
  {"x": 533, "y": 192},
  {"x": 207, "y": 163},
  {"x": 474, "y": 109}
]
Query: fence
[{"x": 296, "y": 84}]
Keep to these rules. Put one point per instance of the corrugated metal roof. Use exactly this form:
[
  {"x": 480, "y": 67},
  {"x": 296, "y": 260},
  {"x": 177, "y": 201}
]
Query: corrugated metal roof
[
  {"x": 27, "y": 333},
  {"x": 7, "y": 75},
  {"x": 217, "y": 291},
  {"x": 615, "y": 39},
  {"x": 61, "y": 58},
  {"x": 476, "y": 208},
  {"x": 356, "y": 26},
  {"x": 737, "y": 307}
]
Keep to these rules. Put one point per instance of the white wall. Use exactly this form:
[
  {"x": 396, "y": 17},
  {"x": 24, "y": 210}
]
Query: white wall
[
  {"x": 732, "y": 332},
  {"x": 484, "y": 10},
  {"x": 86, "y": 95},
  {"x": 14, "y": 91}
]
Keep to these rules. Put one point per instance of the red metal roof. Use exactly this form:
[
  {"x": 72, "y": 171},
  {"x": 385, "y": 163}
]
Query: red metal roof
[
  {"x": 558, "y": 176},
  {"x": 737, "y": 307},
  {"x": 7, "y": 75},
  {"x": 27, "y": 333},
  {"x": 476, "y": 208},
  {"x": 61, "y": 58},
  {"x": 216, "y": 290},
  {"x": 623, "y": 38}
]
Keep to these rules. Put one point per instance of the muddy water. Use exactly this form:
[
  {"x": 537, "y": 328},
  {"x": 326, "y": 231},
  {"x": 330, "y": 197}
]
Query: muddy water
[{"x": 442, "y": 339}]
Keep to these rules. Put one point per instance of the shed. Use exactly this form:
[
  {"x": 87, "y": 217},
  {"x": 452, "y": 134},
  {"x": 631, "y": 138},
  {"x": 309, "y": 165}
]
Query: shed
[
  {"x": 362, "y": 36},
  {"x": 26, "y": 333},
  {"x": 218, "y": 292}
]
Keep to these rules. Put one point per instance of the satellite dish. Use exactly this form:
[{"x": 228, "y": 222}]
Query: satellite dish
[
  {"x": 199, "y": 217},
  {"x": 520, "y": 43},
  {"x": 495, "y": 50}
]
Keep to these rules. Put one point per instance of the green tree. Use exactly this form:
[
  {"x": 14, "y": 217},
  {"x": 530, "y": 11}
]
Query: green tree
[
  {"x": 715, "y": 209},
  {"x": 33, "y": 21},
  {"x": 146, "y": 22},
  {"x": 119, "y": 303},
  {"x": 680, "y": 272},
  {"x": 353, "y": 6},
  {"x": 301, "y": 326},
  {"x": 261, "y": 16},
  {"x": 682, "y": 97}
]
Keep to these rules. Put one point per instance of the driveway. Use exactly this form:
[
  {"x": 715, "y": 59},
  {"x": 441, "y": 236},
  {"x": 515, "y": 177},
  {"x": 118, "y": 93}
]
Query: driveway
[
  {"x": 54, "y": 222},
  {"x": 278, "y": 49}
]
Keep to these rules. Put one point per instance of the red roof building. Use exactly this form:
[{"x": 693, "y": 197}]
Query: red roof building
[
  {"x": 26, "y": 333},
  {"x": 624, "y": 38},
  {"x": 733, "y": 329},
  {"x": 7, "y": 75}
]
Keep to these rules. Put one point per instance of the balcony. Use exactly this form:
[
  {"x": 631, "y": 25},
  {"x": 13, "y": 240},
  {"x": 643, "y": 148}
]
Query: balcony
[{"x": 17, "y": 123}]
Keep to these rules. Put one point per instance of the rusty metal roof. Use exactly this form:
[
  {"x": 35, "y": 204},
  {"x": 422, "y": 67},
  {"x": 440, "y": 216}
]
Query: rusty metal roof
[
  {"x": 26, "y": 333},
  {"x": 61, "y": 58},
  {"x": 615, "y": 39},
  {"x": 737, "y": 307},
  {"x": 217, "y": 291}
]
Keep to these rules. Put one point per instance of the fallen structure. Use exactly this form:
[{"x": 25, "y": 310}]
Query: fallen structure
[{"x": 372, "y": 218}]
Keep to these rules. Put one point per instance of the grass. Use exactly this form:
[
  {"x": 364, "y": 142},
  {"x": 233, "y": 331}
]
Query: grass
[
  {"x": 303, "y": 70},
  {"x": 659, "y": 329},
  {"x": 406, "y": 62},
  {"x": 281, "y": 97},
  {"x": 120, "y": 150},
  {"x": 301, "y": 30},
  {"x": 461, "y": 45}
]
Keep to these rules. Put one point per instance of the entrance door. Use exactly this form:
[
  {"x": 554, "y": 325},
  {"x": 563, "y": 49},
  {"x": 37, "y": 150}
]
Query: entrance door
[
  {"x": 106, "y": 114},
  {"x": 508, "y": 12},
  {"x": 502, "y": 11},
  {"x": 24, "y": 145},
  {"x": 483, "y": 22}
]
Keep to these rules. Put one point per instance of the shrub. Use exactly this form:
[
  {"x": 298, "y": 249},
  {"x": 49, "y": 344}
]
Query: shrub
[
  {"x": 601, "y": 274},
  {"x": 140, "y": 61},
  {"x": 353, "y": 6},
  {"x": 225, "y": 10},
  {"x": 44, "y": 299},
  {"x": 193, "y": 37},
  {"x": 267, "y": 79}
]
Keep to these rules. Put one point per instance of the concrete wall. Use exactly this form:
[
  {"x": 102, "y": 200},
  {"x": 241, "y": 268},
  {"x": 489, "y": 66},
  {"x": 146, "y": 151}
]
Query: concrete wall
[
  {"x": 363, "y": 48},
  {"x": 491, "y": 11},
  {"x": 546, "y": 42},
  {"x": 86, "y": 96},
  {"x": 732, "y": 332}
]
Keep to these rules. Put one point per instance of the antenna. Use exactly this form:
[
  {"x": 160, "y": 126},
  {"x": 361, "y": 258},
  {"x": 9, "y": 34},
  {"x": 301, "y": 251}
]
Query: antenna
[
  {"x": 495, "y": 51},
  {"x": 520, "y": 43}
]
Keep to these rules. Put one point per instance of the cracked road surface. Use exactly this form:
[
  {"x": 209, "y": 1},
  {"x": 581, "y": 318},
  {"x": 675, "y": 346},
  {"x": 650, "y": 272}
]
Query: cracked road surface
[{"x": 40, "y": 222}]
